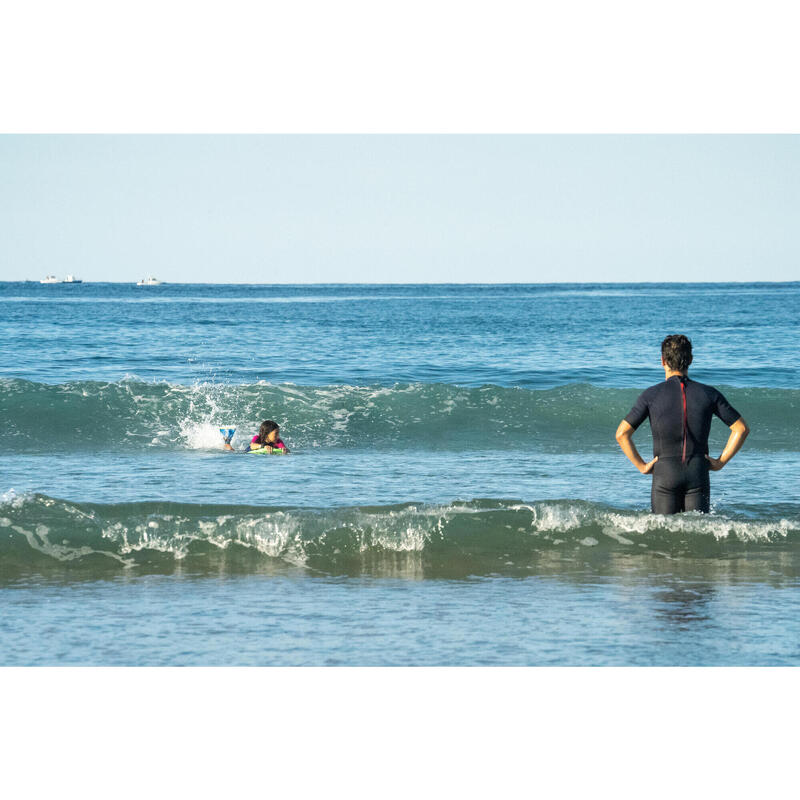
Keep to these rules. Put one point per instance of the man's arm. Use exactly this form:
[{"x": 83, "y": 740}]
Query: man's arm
[
  {"x": 739, "y": 431},
  {"x": 624, "y": 434}
]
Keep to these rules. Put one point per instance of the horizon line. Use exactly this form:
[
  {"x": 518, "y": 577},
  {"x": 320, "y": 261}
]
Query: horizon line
[{"x": 399, "y": 283}]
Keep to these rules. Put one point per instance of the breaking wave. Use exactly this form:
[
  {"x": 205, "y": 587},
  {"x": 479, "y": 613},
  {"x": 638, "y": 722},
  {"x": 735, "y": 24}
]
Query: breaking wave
[
  {"x": 475, "y": 537},
  {"x": 134, "y": 414}
]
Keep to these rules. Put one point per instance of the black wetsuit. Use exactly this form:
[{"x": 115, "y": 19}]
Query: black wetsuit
[{"x": 680, "y": 412}]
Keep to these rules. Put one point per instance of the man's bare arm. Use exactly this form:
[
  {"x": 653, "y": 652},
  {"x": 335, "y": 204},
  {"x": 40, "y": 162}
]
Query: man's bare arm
[
  {"x": 739, "y": 432},
  {"x": 624, "y": 433}
]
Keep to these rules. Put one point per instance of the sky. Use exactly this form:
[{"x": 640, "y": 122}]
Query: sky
[{"x": 400, "y": 209}]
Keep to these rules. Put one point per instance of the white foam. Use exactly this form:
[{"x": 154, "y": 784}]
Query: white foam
[
  {"x": 201, "y": 435},
  {"x": 550, "y": 517},
  {"x": 39, "y": 540},
  {"x": 694, "y": 523},
  {"x": 617, "y": 536}
]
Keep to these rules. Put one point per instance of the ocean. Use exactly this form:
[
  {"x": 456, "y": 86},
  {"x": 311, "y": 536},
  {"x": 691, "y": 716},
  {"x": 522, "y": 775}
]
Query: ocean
[{"x": 454, "y": 494}]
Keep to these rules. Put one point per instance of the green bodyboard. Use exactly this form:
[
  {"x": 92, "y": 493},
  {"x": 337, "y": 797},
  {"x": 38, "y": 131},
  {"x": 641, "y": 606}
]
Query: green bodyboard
[{"x": 267, "y": 451}]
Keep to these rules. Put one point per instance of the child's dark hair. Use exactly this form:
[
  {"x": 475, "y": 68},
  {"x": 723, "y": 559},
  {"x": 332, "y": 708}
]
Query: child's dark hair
[{"x": 267, "y": 426}]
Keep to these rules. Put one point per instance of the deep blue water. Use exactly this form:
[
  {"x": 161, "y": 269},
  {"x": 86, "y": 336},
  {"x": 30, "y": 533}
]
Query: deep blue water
[{"x": 454, "y": 493}]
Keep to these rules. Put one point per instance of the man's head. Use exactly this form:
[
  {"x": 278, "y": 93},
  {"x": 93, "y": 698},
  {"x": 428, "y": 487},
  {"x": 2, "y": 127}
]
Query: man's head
[{"x": 676, "y": 352}]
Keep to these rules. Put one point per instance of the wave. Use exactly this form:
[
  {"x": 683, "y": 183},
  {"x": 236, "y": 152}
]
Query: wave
[
  {"x": 135, "y": 414},
  {"x": 459, "y": 538}
]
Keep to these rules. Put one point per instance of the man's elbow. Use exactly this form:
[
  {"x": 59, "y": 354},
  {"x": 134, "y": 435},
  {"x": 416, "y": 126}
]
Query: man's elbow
[{"x": 742, "y": 428}]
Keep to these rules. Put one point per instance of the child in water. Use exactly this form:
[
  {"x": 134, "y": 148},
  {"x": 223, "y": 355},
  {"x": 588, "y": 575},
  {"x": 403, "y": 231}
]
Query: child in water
[{"x": 267, "y": 438}]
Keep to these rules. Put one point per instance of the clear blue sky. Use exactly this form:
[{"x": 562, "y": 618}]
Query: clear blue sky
[{"x": 297, "y": 209}]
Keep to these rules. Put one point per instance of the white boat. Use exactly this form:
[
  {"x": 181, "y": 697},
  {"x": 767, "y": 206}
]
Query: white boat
[
  {"x": 149, "y": 281},
  {"x": 51, "y": 279},
  {"x": 72, "y": 279}
]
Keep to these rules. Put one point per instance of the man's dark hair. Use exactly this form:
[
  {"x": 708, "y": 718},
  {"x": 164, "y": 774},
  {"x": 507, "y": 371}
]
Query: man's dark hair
[{"x": 676, "y": 350}]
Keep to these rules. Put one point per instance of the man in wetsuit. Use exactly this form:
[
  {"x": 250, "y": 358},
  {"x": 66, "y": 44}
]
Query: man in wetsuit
[{"x": 680, "y": 412}]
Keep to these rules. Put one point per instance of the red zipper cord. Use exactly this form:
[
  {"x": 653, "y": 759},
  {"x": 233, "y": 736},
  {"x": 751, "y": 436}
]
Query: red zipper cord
[{"x": 685, "y": 424}]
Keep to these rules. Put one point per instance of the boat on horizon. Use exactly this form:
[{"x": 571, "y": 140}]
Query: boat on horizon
[
  {"x": 51, "y": 279},
  {"x": 72, "y": 279},
  {"x": 149, "y": 281}
]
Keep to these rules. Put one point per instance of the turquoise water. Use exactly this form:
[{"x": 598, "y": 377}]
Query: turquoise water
[{"x": 454, "y": 495}]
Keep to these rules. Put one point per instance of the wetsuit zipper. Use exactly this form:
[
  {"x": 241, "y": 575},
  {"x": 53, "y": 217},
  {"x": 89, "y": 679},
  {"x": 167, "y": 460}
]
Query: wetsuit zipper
[{"x": 685, "y": 422}]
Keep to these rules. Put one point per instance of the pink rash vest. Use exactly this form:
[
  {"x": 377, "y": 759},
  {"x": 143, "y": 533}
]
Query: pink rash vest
[{"x": 278, "y": 443}]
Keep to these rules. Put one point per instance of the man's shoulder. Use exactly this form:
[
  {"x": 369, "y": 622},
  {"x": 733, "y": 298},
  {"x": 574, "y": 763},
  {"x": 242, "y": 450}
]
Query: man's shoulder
[
  {"x": 707, "y": 389},
  {"x": 656, "y": 388}
]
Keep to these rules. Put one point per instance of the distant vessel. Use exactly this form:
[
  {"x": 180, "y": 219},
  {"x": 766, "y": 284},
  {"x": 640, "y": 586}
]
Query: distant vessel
[
  {"x": 72, "y": 279},
  {"x": 149, "y": 281},
  {"x": 50, "y": 279}
]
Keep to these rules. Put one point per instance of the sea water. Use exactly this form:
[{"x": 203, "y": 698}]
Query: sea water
[{"x": 454, "y": 493}]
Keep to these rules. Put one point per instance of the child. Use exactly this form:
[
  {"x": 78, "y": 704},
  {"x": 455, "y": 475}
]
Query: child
[{"x": 268, "y": 437}]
